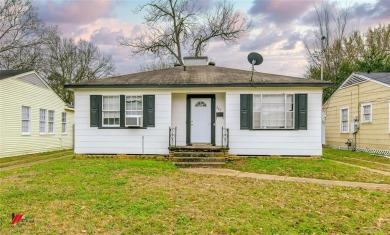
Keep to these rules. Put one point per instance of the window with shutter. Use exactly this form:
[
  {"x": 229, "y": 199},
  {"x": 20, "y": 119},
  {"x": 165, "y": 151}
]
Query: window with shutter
[
  {"x": 273, "y": 111},
  {"x": 246, "y": 111},
  {"x": 301, "y": 111},
  {"x": 95, "y": 107},
  {"x": 149, "y": 111}
]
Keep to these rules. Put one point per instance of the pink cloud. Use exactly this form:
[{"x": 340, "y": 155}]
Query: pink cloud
[
  {"x": 280, "y": 11},
  {"x": 74, "y": 12}
]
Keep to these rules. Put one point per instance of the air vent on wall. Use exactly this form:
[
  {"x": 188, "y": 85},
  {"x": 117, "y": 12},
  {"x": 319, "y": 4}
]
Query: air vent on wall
[{"x": 353, "y": 80}]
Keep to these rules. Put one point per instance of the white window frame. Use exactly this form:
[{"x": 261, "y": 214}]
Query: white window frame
[
  {"x": 114, "y": 110},
  {"x": 64, "y": 127},
  {"x": 42, "y": 121},
  {"x": 285, "y": 112},
  {"x": 51, "y": 121},
  {"x": 26, "y": 119},
  {"x": 134, "y": 112},
  {"x": 341, "y": 120},
  {"x": 363, "y": 120}
]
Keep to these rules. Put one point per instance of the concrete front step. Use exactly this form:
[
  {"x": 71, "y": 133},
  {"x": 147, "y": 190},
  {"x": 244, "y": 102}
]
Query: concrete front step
[
  {"x": 197, "y": 154},
  {"x": 199, "y": 164},
  {"x": 198, "y": 159}
]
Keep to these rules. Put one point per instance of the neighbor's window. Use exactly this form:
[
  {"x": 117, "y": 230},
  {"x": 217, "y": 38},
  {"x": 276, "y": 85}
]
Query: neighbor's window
[
  {"x": 26, "y": 119},
  {"x": 111, "y": 110},
  {"x": 344, "y": 120},
  {"x": 63, "y": 123},
  {"x": 42, "y": 121},
  {"x": 51, "y": 122},
  {"x": 273, "y": 111},
  {"x": 366, "y": 113}
]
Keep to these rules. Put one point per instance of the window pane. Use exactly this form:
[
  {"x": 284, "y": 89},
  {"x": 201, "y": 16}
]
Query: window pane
[
  {"x": 25, "y": 119},
  {"x": 133, "y": 105},
  {"x": 274, "y": 111},
  {"x": 111, "y": 108},
  {"x": 289, "y": 120},
  {"x": 256, "y": 119},
  {"x": 42, "y": 120}
]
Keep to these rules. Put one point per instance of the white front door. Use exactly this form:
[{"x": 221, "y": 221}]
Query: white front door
[{"x": 201, "y": 120}]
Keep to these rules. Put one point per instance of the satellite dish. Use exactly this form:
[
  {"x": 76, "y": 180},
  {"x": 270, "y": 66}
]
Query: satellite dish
[{"x": 255, "y": 58}]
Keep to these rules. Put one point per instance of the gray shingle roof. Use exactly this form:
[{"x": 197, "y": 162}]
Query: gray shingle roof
[
  {"x": 198, "y": 76},
  {"x": 10, "y": 73},
  {"x": 383, "y": 77}
]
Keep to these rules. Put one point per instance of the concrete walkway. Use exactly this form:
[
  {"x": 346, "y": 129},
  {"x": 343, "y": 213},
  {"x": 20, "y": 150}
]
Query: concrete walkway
[
  {"x": 33, "y": 163},
  {"x": 239, "y": 174},
  {"x": 363, "y": 167}
]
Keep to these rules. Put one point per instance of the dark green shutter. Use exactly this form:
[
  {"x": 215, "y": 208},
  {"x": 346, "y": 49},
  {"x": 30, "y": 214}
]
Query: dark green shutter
[
  {"x": 122, "y": 109},
  {"x": 95, "y": 110},
  {"x": 149, "y": 110},
  {"x": 246, "y": 102},
  {"x": 301, "y": 111}
]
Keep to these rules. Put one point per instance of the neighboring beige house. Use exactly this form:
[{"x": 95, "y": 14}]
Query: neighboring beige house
[
  {"x": 359, "y": 113},
  {"x": 33, "y": 118}
]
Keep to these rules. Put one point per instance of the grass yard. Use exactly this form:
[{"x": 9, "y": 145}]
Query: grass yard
[
  {"x": 358, "y": 158},
  {"x": 110, "y": 196},
  {"x": 311, "y": 168},
  {"x": 11, "y": 161}
]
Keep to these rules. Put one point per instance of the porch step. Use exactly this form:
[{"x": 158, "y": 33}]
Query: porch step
[
  {"x": 198, "y": 159},
  {"x": 197, "y": 154},
  {"x": 199, "y": 164},
  {"x": 198, "y": 149}
]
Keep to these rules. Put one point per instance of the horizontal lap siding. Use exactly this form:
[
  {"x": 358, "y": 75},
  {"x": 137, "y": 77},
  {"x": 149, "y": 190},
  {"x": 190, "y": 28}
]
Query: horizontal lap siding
[
  {"x": 373, "y": 135},
  {"x": 16, "y": 93},
  {"x": 91, "y": 140},
  {"x": 179, "y": 108},
  {"x": 275, "y": 142}
]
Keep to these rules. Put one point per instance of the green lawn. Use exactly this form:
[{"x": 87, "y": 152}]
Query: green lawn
[
  {"x": 358, "y": 158},
  {"x": 309, "y": 168},
  {"x": 109, "y": 196},
  {"x": 10, "y": 161}
]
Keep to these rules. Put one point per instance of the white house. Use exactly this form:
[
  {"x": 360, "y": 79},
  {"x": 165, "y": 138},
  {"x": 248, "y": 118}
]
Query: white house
[
  {"x": 33, "y": 118},
  {"x": 136, "y": 113}
]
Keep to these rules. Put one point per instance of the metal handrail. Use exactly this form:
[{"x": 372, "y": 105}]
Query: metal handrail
[
  {"x": 225, "y": 137},
  {"x": 172, "y": 136}
]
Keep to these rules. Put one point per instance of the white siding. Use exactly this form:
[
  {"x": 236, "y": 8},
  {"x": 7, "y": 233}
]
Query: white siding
[
  {"x": 171, "y": 112},
  {"x": 275, "y": 142},
  {"x": 91, "y": 140},
  {"x": 179, "y": 117}
]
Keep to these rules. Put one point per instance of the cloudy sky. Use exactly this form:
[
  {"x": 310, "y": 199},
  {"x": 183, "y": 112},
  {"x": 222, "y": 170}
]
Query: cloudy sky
[{"x": 278, "y": 29}]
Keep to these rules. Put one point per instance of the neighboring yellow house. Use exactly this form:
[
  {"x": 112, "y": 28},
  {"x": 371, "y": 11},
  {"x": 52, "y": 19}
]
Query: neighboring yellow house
[
  {"x": 357, "y": 115},
  {"x": 33, "y": 118}
]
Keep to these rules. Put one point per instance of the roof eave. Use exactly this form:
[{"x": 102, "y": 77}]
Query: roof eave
[{"x": 71, "y": 86}]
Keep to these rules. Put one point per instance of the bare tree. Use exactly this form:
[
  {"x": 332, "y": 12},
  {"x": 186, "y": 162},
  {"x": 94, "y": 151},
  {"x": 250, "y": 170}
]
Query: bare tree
[
  {"x": 328, "y": 45},
  {"x": 70, "y": 62},
  {"x": 174, "y": 25},
  {"x": 155, "y": 65},
  {"x": 330, "y": 28},
  {"x": 221, "y": 22},
  {"x": 22, "y": 34}
]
